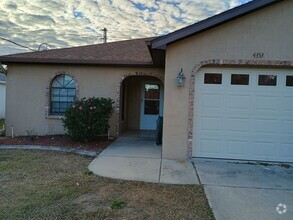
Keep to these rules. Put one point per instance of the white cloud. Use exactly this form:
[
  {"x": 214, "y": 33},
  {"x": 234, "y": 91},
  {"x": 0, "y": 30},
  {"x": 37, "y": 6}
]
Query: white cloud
[{"x": 65, "y": 23}]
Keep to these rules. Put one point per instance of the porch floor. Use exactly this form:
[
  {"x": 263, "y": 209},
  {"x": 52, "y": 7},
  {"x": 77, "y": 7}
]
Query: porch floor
[{"x": 135, "y": 156}]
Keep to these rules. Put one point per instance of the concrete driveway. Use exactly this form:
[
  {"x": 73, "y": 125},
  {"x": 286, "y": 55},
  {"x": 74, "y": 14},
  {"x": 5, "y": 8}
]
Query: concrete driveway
[{"x": 247, "y": 190}]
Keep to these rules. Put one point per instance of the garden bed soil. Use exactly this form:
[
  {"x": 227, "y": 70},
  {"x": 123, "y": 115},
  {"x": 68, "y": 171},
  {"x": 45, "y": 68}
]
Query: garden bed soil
[{"x": 58, "y": 141}]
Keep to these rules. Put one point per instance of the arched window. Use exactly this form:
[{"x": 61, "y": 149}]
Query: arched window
[{"x": 63, "y": 93}]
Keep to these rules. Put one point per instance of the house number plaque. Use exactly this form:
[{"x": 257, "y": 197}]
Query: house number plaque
[{"x": 258, "y": 55}]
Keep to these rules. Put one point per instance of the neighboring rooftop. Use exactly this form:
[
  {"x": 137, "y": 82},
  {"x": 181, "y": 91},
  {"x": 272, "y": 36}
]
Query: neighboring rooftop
[
  {"x": 128, "y": 52},
  {"x": 2, "y": 78}
]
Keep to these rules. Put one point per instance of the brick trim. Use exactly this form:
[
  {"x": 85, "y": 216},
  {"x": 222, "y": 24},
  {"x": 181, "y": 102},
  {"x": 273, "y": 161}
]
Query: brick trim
[
  {"x": 116, "y": 113},
  {"x": 216, "y": 62},
  {"x": 48, "y": 88}
]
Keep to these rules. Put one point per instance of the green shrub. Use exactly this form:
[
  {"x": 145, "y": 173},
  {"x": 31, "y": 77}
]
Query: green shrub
[{"x": 87, "y": 119}]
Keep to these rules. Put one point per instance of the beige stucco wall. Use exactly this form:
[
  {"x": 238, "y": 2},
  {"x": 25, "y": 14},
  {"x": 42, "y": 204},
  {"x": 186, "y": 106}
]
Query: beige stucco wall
[
  {"x": 27, "y": 86},
  {"x": 267, "y": 31}
]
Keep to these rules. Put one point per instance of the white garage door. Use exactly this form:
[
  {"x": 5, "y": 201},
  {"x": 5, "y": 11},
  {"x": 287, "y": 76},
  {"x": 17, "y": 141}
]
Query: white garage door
[{"x": 244, "y": 114}]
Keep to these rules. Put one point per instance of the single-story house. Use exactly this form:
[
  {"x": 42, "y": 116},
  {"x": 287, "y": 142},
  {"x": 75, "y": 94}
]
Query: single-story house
[
  {"x": 236, "y": 101},
  {"x": 2, "y": 95}
]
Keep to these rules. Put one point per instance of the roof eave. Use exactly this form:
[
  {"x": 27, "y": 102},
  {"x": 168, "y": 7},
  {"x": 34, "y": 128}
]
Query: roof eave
[
  {"x": 74, "y": 62},
  {"x": 214, "y": 21}
]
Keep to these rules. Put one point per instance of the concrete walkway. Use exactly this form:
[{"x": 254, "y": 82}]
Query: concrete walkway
[
  {"x": 240, "y": 190},
  {"x": 139, "y": 158}
]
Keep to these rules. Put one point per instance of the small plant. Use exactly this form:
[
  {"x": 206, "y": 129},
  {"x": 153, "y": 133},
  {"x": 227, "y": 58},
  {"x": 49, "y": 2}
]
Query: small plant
[
  {"x": 2, "y": 127},
  {"x": 118, "y": 204},
  {"x": 88, "y": 173},
  {"x": 31, "y": 134},
  {"x": 87, "y": 119},
  {"x": 151, "y": 201},
  {"x": 2, "y": 133},
  {"x": 2, "y": 123}
]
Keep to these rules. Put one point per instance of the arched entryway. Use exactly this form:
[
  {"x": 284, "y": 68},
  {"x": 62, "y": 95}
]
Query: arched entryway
[{"x": 141, "y": 101}]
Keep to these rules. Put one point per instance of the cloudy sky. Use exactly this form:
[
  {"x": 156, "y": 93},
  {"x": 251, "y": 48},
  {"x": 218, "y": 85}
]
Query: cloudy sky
[{"x": 67, "y": 23}]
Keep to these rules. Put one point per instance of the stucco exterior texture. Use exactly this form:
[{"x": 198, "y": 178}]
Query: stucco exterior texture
[
  {"x": 268, "y": 31},
  {"x": 31, "y": 83}
]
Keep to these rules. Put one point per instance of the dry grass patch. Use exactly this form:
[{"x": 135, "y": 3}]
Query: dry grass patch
[{"x": 53, "y": 185}]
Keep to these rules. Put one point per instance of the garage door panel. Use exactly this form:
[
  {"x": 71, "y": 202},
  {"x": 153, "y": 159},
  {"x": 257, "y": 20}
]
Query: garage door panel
[
  {"x": 237, "y": 124},
  {"x": 212, "y": 101},
  {"x": 211, "y": 123},
  {"x": 243, "y": 122},
  {"x": 266, "y": 103},
  {"x": 286, "y": 150},
  {"x": 238, "y": 102},
  {"x": 264, "y": 149},
  {"x": 207, "y": 146},
  {"x": 287, "y": 127},
  {"x": 287, "y": 104},
  {"x": 265, "y": 126},
  {"x": 236, "y": 147}
]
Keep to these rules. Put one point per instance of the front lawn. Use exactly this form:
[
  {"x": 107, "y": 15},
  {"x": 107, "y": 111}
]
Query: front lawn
[{"x": 54, "y": 185}]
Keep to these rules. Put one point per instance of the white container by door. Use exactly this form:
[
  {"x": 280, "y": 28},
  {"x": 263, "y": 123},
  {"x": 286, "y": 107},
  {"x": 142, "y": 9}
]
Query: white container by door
[{"x": 151, "y": 104}]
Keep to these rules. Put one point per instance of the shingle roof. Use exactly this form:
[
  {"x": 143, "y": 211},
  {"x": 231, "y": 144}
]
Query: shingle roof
[
  {"x": 2, "y": 77},
  {"x": 128, "y": 52},
  {"x": 135, "y": 52},
  {"x": 211, "y": 22}
]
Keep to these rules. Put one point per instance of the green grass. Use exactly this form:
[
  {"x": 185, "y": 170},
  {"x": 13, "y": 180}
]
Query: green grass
[{"x": 54, "y": 185}]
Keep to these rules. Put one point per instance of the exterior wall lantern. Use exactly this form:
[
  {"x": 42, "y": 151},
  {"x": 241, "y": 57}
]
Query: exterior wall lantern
[{"x": 180, "y": 78}]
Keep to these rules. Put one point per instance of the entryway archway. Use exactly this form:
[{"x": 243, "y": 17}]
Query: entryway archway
[{"x": 141, "y": 103}]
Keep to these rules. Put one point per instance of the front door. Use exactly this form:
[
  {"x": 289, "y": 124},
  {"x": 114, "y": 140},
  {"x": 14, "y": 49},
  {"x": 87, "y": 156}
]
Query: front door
[{"x": 151, "y": 104}]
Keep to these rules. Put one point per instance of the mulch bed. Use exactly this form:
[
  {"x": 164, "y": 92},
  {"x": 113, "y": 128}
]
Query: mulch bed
[{"x": 59, "y": 141}]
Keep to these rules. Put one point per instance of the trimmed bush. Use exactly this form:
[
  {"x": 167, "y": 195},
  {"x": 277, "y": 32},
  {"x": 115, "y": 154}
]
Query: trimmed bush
[{"x": 88, "y": 119}]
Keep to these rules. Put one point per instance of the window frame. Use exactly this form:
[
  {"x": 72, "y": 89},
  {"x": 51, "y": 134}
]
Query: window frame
[
  {"x": 206, "y": 82},
  {"x": 287, "y": 84},
  {"x": 152, "y": 99},
  {"x": 59, "y": 88},
  {"x": 267, "y": 75},
  {"x": 239, "y": 74}
]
